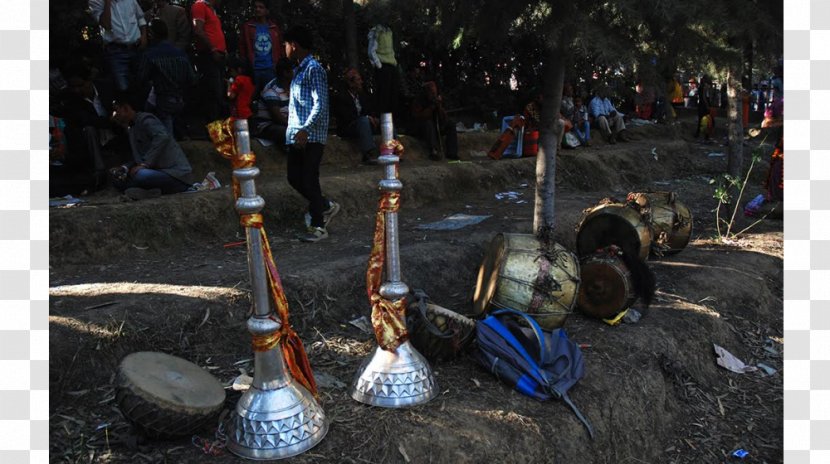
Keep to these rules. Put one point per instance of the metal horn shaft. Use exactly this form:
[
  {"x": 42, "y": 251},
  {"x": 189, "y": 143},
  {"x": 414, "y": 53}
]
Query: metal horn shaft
[
  {"x": 400, "y": 378},
  {"x": 277, "y": 417}
]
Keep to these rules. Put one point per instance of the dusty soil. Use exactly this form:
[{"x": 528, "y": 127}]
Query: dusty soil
[{"x": 156, "y": 275}]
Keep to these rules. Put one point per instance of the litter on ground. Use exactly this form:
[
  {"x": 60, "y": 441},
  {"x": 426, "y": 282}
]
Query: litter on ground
[
  {"x": 454, "y": 222},
  {"x": 728, "y": 361}
]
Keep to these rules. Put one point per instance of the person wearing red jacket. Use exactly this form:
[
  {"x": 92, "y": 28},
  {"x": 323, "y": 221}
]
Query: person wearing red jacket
[{"x": 260, "y": 44}]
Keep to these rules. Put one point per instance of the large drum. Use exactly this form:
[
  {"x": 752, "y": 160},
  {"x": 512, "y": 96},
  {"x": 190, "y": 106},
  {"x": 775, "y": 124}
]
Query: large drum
[
  {"x": 670, "y": 220},
  {"x": 165, "y": 396},
  {"x": 517, "y": 273},
  {"x": 607, "y": 287},
  {"x": 613, "y": 224}
]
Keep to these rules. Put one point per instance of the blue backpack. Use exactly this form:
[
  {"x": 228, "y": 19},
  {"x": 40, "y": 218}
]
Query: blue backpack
[{"x": 539, "y": 363}]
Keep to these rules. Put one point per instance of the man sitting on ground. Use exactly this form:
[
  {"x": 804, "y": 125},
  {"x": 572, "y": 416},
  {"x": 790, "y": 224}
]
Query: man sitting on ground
[
  {"x": 270, "y": 119},
  {"x": 354, "y": 119},
  {"x": 432, "y": 122},
  {"x": 160, "y": 166},
  {"x": 88, "y": 128},
  {"x": 609, "y": 120}
]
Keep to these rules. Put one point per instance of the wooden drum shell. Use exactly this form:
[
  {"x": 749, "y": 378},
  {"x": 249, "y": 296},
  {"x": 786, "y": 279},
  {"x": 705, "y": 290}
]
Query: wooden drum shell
[{"x": 516, "y": 273}]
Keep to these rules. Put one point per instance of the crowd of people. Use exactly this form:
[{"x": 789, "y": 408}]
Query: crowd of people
[{"x": 161, "y": 61}]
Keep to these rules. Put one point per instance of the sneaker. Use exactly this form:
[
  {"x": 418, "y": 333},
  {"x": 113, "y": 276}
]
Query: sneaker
[
  {"x": 328, "y": 214},
  {"x": 211, "y": 182},
  {"x": 136, "y": 193},
  {"x": 314, "y": 234}
]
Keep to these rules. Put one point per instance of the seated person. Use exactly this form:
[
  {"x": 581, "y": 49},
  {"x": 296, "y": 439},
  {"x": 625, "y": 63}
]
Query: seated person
[
  {"x": 533, "y": 110},
  {"x": 644, "y": 100},
  {"x": 270, "y": 110},
  {"x": 431, "y": 122},
  {"x": 159, "y": 164},
  {"x": 533, "y": 115},
  {"x": 352, "y": 109},
  {"x": 567, "y": 106},
  {"x": 86, "y": 127},
  {"x": 581, "y": 124},
  {"x": 609, "y": 120}
]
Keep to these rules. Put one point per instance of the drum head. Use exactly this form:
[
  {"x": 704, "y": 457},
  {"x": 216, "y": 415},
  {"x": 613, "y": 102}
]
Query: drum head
[
  {"x": 683, "y": 232},
  {"x": 488, "y": 275},
  {"x": 172, "y": 381},
  {"x": 670, "y": 220},
  {"x": 603, "y": 228},
  {"x": 605, "y": 289}
]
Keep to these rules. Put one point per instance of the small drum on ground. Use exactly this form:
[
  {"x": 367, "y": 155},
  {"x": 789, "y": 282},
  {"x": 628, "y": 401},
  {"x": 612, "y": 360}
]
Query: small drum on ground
[
  {"x": 611, "y": 223},
  {"x": 607, "y": 287},
  {"x": 670, "y": 220},
  {"x": 166, "y": 396},
  {"x": 437, "y": 332},
  {"x": 518, "y": 273}
]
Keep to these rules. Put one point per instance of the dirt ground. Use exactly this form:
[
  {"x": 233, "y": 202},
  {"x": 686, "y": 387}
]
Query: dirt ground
[{"x": 157, "y": 275}]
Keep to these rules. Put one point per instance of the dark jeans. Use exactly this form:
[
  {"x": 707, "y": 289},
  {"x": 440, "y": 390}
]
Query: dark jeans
[
  {"x": 149, "y": 179},
  {"x": 167, "y": 108},
  {"x": 430, "y": 129},
  {"x": 386, "y": 80},
  {"x": 267, "y": 130},
  {"x": 360, "y": 129},
  {"x": 211, "y": 86},
  {"x": 121, "y": 61},
  {"x": 304, "y": 176}
]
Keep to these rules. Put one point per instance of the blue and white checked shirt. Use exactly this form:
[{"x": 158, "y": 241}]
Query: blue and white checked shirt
[{"x": 308, "y": 103}]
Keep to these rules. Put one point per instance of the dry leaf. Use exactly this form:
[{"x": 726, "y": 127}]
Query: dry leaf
[{"x": 403, "y": 452}]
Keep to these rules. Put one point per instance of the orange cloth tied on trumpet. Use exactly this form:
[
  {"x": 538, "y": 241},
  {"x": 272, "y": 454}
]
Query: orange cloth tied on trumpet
[
  {"x": 388, "y": 317},
  {"x": 394, "y": 146},
  {"x": 222, "y": 135}
]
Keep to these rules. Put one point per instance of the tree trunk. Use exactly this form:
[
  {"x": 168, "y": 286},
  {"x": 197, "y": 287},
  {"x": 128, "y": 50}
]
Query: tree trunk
[
  {"x": 736, "y": 127},
  {"x": 351, "y": 33},
  {"x": 550, "y": 136}
]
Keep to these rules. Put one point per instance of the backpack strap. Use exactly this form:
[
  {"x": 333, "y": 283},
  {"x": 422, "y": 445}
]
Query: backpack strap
[
  {"x": 567, "y": 400},
  {"x": 537, "y": 330}
]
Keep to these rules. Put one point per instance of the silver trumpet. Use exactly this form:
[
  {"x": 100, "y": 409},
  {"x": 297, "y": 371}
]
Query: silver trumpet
[
  {"x": 277, "y": 417},
  {"x": 400, "y": 378}
]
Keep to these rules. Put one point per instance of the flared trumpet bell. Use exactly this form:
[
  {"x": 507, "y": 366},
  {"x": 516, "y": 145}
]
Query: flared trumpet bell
[
  {"x": 396, "y": 379},
  {"x": 276, "y": 424}
]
